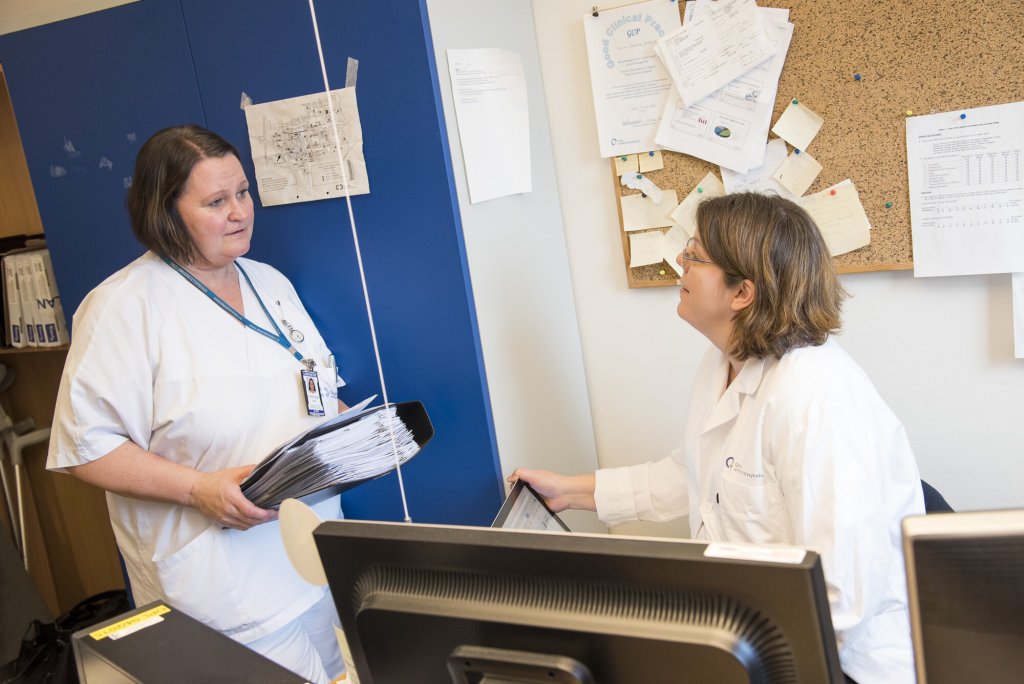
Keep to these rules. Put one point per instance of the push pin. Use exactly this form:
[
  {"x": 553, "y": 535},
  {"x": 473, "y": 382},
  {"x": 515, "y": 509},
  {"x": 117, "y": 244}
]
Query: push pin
[
  {"x": 856, "y": 77},
  {"x": 594, "y": 10},
  {"x": 699, "y": 189},
  {"x": 639, "y": 177},
  {"x": 796, "y": 101},
  {"x": 888, "y": 205},
  {"x": 623, "y": 157},
  {"x": 662, "y": 271},
  {"x": 651, "y": 153},
  {"x": 963, "y": 116},
  {"x": 910, "y": 112},
  {"x": 795, "y": 151},
  {"x": 832, "y": 192}
]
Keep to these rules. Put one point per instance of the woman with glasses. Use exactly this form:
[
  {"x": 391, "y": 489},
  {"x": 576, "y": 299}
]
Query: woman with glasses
[{"x": 787, "y": 441}]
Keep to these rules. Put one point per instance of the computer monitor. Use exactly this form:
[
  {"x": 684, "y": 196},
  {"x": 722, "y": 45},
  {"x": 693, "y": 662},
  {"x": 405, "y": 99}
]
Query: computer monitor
[
  {"x": 423, "y": 604},
  {"x": 965, "y": 581}
]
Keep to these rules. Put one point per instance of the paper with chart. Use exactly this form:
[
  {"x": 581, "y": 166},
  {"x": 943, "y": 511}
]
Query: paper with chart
[
  {"x": 294, "y": 150},
  {"x": 730, "y": 126},
  {"x": 966, "y": 178},
  {"x": 715, "y": 47},
  {"x": 628, "y": 82}
]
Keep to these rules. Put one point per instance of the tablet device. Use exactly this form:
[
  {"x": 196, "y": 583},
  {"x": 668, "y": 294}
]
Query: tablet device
[{"x": 525, "y": 510}]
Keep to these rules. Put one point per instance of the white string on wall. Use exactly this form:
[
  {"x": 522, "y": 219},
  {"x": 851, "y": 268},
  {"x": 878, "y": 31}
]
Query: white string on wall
[{"x": 359, "y": 256}]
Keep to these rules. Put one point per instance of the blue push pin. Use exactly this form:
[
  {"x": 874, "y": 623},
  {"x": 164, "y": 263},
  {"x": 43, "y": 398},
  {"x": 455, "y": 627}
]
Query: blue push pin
[
  {"x": 856, "y": 77},
  {"x": 651, "y": 153},
  {"x": 963, "y": 116},
  {"x": 795, "y": 151}
]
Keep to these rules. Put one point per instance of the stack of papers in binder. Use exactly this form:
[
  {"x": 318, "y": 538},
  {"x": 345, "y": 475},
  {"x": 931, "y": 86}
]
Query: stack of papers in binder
[{"x": 353, "y": 447}]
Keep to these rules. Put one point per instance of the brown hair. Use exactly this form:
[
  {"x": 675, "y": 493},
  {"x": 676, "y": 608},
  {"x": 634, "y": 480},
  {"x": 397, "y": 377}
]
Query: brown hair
[
  {"x": 162, "y": 170},
  {"x": 773, "y": 243}
]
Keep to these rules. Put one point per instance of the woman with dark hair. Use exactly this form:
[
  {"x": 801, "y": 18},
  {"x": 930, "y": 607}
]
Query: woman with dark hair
[
  {"x": 787, "y": 441},
  {"x": 178, "y": 380}
]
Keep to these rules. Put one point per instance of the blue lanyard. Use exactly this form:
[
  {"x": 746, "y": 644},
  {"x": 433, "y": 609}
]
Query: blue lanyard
[{"x": 279, "y": 337}]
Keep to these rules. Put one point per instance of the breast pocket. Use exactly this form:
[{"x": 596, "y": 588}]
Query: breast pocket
[{"x": 749, "y": 511}]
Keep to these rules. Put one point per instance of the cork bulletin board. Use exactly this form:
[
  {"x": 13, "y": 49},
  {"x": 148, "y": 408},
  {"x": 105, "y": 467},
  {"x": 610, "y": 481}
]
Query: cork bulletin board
[{"x": 922, "y": 56}]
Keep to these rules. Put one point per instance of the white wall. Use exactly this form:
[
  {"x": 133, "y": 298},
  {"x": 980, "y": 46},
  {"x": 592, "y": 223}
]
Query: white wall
[
  {"x": 939, "y": 350},
  {"x": 520, "y": 269}
]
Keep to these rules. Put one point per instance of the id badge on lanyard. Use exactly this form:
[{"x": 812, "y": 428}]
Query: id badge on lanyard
[
  {"x": 310, "y": 381},
  {"x": 311, "y": 388}
]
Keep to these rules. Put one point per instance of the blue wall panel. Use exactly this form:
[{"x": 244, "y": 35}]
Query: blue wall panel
[
  {"x": 409, "y": 227},
  {"x": 95, "y": 83}
]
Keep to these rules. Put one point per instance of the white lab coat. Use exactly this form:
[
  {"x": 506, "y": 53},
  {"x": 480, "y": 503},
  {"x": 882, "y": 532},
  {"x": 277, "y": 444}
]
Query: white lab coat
[
  {"x": 799, "y": 450},
  {"x": 155, "y": 361}
]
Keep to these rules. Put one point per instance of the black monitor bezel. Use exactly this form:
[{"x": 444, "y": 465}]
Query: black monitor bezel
[{"x": 350, "y": 548}]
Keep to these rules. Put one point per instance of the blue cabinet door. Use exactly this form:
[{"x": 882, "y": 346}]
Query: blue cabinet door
[
  {"x": 87, "y": 92},
  {"x": 143, "y": 66}
]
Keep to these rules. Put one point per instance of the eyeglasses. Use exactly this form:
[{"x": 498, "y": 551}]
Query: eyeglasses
[{"x": 687, "y": 255}]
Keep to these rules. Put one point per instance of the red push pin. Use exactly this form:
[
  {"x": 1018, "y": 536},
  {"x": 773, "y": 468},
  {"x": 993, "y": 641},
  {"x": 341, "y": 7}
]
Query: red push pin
[{"x": 832, "y": 192}]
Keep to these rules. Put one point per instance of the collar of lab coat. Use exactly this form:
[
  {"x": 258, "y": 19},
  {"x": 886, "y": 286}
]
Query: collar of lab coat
[{"x": 728, "y": 405}]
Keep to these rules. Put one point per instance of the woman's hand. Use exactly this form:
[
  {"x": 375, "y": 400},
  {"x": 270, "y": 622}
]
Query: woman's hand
[
  {"x": 219, "y": 497},
  {"x": 560, "y": 492}
]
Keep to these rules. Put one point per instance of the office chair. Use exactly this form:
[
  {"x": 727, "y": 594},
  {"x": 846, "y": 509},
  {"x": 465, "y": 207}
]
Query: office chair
[{"x": 934, "y": 502}]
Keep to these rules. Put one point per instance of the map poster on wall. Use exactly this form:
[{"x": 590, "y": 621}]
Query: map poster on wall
[{"x": 293, "y": 148}]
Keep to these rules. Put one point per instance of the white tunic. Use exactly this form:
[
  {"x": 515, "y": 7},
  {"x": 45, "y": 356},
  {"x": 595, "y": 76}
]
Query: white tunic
[
  {"x": 155, "y": 361},
  {"x": 799, "y": 450}
]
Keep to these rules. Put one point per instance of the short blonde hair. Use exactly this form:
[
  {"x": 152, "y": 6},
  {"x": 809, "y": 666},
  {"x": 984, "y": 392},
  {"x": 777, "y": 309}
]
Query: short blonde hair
[{"x": 773, "y": 243}]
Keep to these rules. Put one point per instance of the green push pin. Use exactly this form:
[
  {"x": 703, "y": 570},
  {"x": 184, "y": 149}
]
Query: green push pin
[{"x": 888, "y": 205}]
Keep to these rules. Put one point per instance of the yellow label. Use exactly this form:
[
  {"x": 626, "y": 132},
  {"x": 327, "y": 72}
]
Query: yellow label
[{"x": 129, "y": 622}]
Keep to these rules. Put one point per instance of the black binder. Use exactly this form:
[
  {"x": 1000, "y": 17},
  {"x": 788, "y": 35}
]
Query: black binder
[
  {"x": 158, "y": 644},
  {"x": 411, "y": 413}
]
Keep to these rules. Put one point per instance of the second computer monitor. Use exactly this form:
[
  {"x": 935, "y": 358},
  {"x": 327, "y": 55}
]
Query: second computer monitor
[{"x": 965, "y": 575}]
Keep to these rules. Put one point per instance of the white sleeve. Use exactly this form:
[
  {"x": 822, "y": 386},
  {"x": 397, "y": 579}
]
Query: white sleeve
[
  {"x": 106, "y": 391},
  {"x": 650, "y": 491}
]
